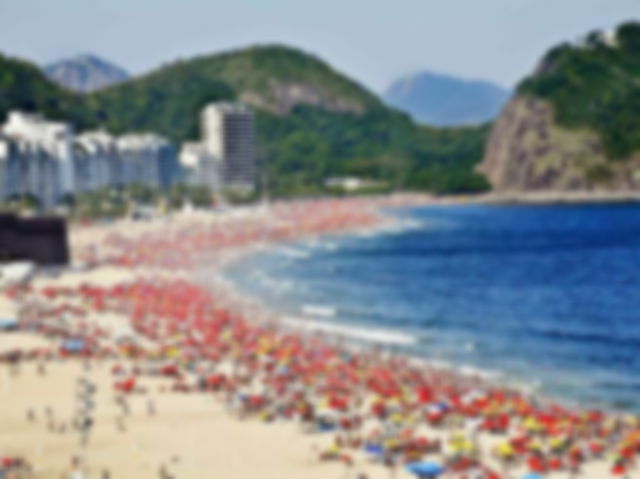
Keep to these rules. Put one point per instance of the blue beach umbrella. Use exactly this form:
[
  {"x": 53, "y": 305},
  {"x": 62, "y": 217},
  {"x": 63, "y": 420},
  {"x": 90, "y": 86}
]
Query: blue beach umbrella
[
  {"x": 73, "y": 345},
  {"x": 532, "y": 475},
  {"x": 374, "y": 450},
  {"x": 426, "y": 470}
]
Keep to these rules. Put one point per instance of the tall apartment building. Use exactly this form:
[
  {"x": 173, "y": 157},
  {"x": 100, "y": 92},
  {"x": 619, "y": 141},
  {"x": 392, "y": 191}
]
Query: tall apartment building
[
  {"x": 228, "y": 138},
  {"x": 142, "y": 158},
  {"x": 25, "y": 170},
  {"x": 97, "y": 161},
  {"x": 201, "y": 168},
  {"x": 42, "y": 140},
  {"x": 46, "y": 160}
]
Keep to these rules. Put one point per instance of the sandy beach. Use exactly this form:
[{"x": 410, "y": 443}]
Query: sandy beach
[{"x": 185, "y": 381}]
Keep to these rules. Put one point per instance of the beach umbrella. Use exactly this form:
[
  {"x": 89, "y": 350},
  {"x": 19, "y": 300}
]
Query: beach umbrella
[
  {"x": 374, "y": 450},
  {"x": 532, "y": 475},
  {"x": 426, "y": 469},
  {"x": 73, "y": 345}
]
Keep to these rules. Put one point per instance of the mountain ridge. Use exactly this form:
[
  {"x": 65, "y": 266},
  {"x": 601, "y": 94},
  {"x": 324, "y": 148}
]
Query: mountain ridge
[
  {"x": 446, "y": 100},
  {"x": 85, "y": 73}
]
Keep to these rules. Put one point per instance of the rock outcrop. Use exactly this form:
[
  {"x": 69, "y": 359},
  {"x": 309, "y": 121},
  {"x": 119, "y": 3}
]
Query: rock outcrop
[
  {"x": 527, "y": 151},
  {"x": 281, "y": 97}
]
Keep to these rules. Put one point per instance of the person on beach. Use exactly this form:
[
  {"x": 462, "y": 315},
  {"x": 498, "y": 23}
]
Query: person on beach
[
  {"x": 75, "y": 471},
  {"x": 151, "y": 407},
  {"x": 163, "y": 473},
  {"x": 31, "y": 415}
]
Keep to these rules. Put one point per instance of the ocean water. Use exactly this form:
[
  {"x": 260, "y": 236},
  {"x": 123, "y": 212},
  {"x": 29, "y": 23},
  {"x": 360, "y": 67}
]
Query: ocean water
[{"x": 543, "y": 296}]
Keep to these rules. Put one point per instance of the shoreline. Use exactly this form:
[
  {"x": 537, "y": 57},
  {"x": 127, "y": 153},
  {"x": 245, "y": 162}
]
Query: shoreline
[
  {"x": 557, "y": 198},
  {"x": 366, "y": 337},
  {"x": 363, "y": 336},
  {"x": 158, "y": 261}
]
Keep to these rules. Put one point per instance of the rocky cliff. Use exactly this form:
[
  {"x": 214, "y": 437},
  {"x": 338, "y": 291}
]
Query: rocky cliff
[
  {"x": 573, "y": 125},
  {"x": 528, "y": 151}
]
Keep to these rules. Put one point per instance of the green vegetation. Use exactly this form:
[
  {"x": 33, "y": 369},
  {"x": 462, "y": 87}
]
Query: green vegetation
[
  {"x": 337, "y": 128},
  {"x": 167, "y": 102},
  {"x": 23, "y": 86},
  {"x": 118, "y": 202},
  {"x": 258, "y": 69},
  {"x": 21, "y": 204},
  {"x": 595, "y": 85},
  {"x": 381, "y": 145}
]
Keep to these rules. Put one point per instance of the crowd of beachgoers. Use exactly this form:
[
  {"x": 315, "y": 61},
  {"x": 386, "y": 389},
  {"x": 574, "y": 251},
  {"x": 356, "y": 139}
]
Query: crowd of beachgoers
[{"x": 129, "y": 326}]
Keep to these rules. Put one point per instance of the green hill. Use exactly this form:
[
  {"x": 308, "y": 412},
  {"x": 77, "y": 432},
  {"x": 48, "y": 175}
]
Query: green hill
[
  {"x": 23, "y": 86},
  {"x": 312, "y": 122},
  {"x": 273, "y": 79}
]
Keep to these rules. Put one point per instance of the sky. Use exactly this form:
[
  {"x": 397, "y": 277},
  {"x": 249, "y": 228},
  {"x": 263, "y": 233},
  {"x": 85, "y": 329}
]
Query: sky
[{"x": 374, "y": 41}]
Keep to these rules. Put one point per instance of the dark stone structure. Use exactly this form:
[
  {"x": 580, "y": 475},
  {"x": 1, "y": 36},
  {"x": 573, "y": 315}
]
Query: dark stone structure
[{"x": 41, "y": 240}]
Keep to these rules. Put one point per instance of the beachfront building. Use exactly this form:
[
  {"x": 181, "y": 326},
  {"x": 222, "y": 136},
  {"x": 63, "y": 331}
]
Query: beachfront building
[
  {"x": 352, "y": 184},
  {"x": 97, "y": 162},
  {"x": 200, "y": 168},
  {"x": 39, "y": 157},
  {"x": 147, "y": 159},
  {"x": 228, "y": 141},
  {"x": 27, "y": 170},
  {"x": 45, "y": 160}
]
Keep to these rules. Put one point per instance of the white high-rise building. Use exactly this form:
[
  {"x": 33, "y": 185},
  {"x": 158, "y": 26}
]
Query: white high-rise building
[
  {"x": 228, "y": 138},
  {"x": 45, "y": 160},
  {"x": 147, "y": 159},
  {"x": 201, "y": 168},
  {"x": 53, "y": 139},
  {"x": 5, "y": 152},
  {"x": 96, "y": 161}
]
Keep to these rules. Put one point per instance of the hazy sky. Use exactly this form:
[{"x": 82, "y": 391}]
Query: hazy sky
[{"x": 374, "y": 41}]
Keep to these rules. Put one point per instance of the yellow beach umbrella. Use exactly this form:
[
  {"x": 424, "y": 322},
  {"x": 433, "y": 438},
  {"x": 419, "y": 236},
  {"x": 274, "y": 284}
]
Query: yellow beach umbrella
[{"x": 505, "y": 450}]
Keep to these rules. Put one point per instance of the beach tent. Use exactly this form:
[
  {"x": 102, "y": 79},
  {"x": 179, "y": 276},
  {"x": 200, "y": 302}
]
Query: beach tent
[{"x": 425, "y": 470}]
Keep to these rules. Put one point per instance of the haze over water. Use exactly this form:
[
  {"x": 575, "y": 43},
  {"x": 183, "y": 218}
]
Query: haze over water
[{"x": 544, "y": 295}]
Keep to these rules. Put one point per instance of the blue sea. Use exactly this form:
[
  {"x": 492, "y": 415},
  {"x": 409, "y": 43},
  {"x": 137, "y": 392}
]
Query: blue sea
[{"x": 542, "y": 296}]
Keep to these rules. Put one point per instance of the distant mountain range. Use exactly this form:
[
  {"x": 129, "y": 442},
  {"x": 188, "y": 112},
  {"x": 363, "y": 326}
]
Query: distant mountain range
[
  {"x": 445, "y": 100},
  {"x": 85, "y": 73}
]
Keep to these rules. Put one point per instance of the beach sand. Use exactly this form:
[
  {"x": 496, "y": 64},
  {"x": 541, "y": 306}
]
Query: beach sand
[{"x": 192, "y": 435}]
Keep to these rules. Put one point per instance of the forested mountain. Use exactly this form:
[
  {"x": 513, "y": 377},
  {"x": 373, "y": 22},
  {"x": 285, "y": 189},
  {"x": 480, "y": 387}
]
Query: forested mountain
[{"x": 23, "y": 86}]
